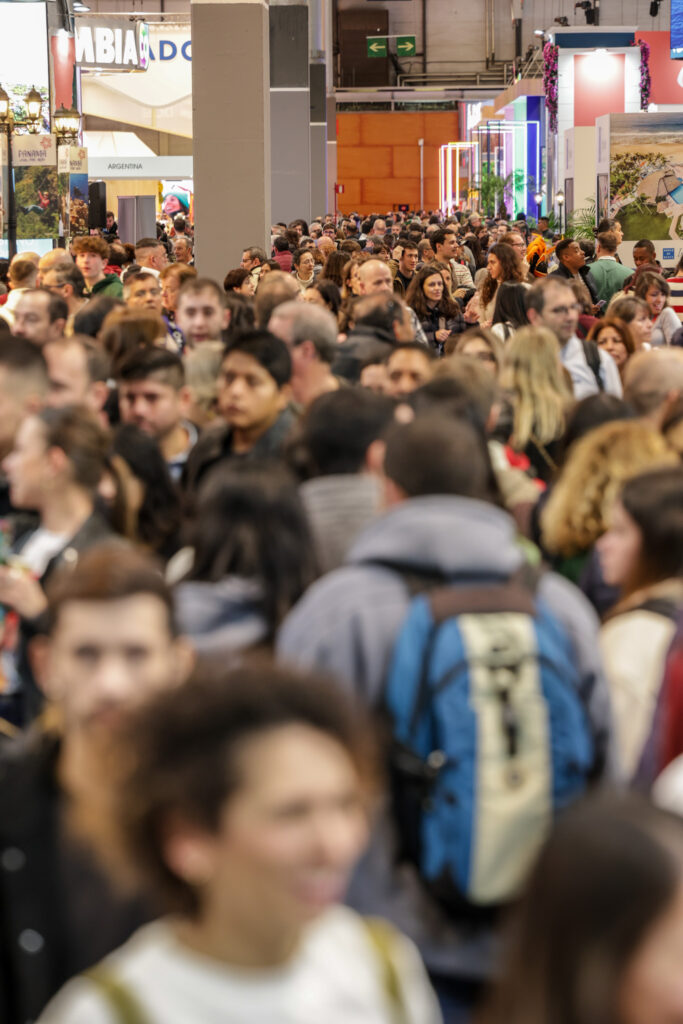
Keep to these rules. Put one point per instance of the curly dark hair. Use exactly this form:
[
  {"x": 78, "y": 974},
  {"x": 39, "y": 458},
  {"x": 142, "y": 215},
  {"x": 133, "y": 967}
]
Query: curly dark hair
[
  {"x": 417, "y": 300},
  {"x": 512, "y": 271}
]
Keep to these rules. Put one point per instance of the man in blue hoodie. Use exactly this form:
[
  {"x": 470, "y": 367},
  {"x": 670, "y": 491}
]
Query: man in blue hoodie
[{"x": 442, "y": 519}]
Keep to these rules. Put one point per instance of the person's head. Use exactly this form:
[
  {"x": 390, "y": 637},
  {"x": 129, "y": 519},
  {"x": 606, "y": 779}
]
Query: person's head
[
  {"x": 379, "y": 227},
  {"x": 503, "y": 263},
  {"x": 576, "y": 514},
  {"x": 653, "y": 289},
  {"x": 40, "y": 316},
  {"x": 124, "y": 331},
  {"x": 65, "y": 280},
  {"x": 152, "y": 391},
  {"x": 590, "y": 413},
  {"x": 408, "y": 366},
  {"x": 179, "y": 225},
  {"x": 50, "y": 261},
  {"x": 23, "y": 271},
  {"x": 533, "y": 379},
  {"x": 375, "y": 276},
  {"x": 200, "y": 311},
  {"x": 614, "y": 336},
  {"x": 636, "y": 313},
  {"x": 445, "y": 244},
  {"x": 597, "y": 933},
  {"x": 408, "y": 260},
  {"x": 435, "y": 454},
  {"x": 150, "y": 253},
  {"x": 91, "y": 317},
  {"x": 643, "y": 543},
  {"x": 425, "y": 251},
  {"x": 112, "y": 637},
  {"x": 110, "y": 220},
  {"x": 172, "y": 278},
  {"x": 351, "y": 278},
  {"x": 78, "y": 369},
  {"x": 652, "y": 379},
  {"x": 462, "y": 388},
  {"x": 481, "y": 344},
  {"x": 644, "y": 253},
  {"x": 271, "y": 292},
  {"x": 267, "y": 803},
  {"x": 510, "y": 305},
  {"x": 91, "y": 254},
  {"x": 516, "y": 241},
  {"x": 253, "y": 384},
  {"x": 304, "y": 263},
  {"x": 310, "y": 333},
  {"x": 143, "y": 502},
  {"x": 23, "y": 386},
  {"x": 182, "y": 249},
  {"x": 330, "y": 447},
  {"x": 385, "y": 313},
  {"x": 239, "y": 280},
  {"x": 551, "y": 303},
  {"x": 299, "y": 226},
  {"x": 613, "y": 225},
  {"x": 142, "y": 291},
  {"x": 54, "y": 451},
  {"x": 325, "y": 294},
  {"x": 570, "y": 255},
  {"x": 201, "y": 377},
  {"x": 250, "y": 523},
  {"x": 607, "y": 244}
]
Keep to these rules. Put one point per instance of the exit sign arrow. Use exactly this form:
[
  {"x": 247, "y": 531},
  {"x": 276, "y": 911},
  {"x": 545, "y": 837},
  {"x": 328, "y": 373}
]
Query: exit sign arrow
[
  {"x": 377, "y": 46},
  {"x": 405, "y": 45}
]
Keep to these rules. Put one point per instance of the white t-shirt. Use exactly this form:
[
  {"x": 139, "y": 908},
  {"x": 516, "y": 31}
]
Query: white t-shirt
[
  {"x": 40, "y": 548},
  {"x": 336, "y": 977}
]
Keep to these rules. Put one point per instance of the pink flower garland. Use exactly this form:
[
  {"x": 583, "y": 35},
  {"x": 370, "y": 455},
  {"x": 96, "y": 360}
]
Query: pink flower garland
[
  {"x": 550, "y": 53},
  {"x": 645, "y": 80}
]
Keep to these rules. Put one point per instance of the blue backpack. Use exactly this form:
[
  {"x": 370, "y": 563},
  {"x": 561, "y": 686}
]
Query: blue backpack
[{"x": 490, "y": 737}]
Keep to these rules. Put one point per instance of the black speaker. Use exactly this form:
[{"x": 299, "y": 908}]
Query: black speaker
[{"x": 97, "y": 194}]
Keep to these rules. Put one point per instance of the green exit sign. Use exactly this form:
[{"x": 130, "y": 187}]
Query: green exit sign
[
  {"x": 405, "y": 46},
  {"x": 377, "y": 46}
]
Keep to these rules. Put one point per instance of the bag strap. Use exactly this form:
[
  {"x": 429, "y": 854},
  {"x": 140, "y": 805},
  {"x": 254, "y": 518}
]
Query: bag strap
[
  {"x": 383, "y": 939},
  {"x": 120, "y": 999},
  {"x": 592, "y": 354}
]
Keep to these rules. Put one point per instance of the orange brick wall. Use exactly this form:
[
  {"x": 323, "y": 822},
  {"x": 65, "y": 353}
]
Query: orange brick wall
[{"x": 378, "y": 158}]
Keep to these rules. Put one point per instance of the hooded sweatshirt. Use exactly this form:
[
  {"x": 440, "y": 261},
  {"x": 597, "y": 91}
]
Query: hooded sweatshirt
[{"x": 347, "y": 624}]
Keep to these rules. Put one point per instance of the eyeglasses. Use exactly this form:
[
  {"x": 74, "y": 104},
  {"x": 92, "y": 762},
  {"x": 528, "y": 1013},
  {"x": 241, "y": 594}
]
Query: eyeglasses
[{"x": 565, "y": 310}]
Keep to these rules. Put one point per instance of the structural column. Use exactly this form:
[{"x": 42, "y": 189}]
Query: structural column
[
  {"x": 231, "y": 129},
  {"x": 290, "y": 112},
  {"x": 319, "y": 205},
  {"x": 331, "y": 152}
]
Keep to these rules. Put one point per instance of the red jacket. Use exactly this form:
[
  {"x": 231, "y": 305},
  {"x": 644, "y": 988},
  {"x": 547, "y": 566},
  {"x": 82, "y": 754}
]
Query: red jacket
[{"x": 285, "y": 261}]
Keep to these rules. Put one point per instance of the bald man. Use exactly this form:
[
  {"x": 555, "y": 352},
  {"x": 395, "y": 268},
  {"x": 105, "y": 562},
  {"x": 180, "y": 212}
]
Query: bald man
[
  {"x": 375, "y": 278},
  {"x": 51, "y": 260}
]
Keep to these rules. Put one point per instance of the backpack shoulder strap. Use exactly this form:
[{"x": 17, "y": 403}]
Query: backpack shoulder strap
[
  {"x": 592, "y": 354},
  {"x": 119, "y": 998},
  {"x": 383, "y": 939}
]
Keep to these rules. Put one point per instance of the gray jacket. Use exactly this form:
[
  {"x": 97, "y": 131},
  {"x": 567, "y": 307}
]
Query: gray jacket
[
  {"x": 347, "y": 623},
  {"x": 223, "y": 617}
]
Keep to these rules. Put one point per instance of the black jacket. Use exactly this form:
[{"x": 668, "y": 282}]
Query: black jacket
[
  {"x": 585, "y": 277},
  {"x": 215, "y": 446},
  {"x": 59, "y": 914}
]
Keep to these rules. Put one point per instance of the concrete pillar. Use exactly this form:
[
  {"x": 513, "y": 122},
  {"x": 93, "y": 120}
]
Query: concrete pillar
[
  {"x": 231, "y": 129},
  {"x": 318, "y": 140},
  {"x": 332, "y": 153},
  {"x": 290, "y": 112}
]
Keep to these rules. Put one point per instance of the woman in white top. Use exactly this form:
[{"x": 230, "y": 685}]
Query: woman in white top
[
  {"x": 241, "y": 801},
  {"x": 641, "y": 552},
  {"x": 655, "y": 291}
]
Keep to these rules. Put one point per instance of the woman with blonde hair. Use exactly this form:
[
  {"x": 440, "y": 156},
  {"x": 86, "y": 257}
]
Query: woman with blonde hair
[
  {"x": 577, "y": 511},
  {"x": 538, "y": 396}
]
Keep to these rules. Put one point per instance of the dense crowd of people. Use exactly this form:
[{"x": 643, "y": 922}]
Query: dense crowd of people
[{"x": 341, "y": 604}]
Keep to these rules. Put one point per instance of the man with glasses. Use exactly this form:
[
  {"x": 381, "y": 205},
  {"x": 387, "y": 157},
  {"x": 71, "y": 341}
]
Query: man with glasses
[
  {"x": 551, "y": 303},
  {"x": 66, "y": 281}
]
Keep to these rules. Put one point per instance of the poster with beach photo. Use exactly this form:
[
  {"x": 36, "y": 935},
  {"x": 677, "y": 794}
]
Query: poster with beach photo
[{"x": 646, "y": 175}]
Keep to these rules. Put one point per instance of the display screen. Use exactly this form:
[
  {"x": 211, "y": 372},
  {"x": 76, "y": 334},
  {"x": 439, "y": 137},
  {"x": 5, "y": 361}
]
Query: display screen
[{"x": 677, "y": 29}]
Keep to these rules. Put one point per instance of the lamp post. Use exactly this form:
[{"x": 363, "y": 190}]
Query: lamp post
[
  {"x": 559, "y": 199},
  {"x": 67, "y": 124},
  {"x": 34, "y": 104},
  {"x": 538, "y": 199}
]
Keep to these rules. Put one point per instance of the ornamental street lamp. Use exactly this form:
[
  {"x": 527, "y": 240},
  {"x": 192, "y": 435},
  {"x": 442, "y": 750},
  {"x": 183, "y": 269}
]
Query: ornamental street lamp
[
  {"x": 34, "y": 105},
  {"x": 559, "y": 199}
]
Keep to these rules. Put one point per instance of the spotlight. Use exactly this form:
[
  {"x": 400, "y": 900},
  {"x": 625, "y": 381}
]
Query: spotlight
[
  {"x": 654, "y": 8},
  {"x": 540, "y": 33},
  {"x": 563, "y": 22}
]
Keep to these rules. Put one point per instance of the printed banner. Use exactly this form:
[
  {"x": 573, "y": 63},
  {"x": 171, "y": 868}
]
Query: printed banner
[{"x": 72, "y": 167}]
